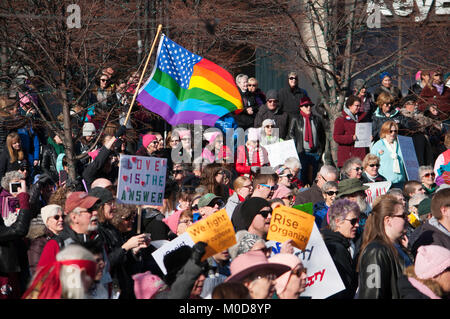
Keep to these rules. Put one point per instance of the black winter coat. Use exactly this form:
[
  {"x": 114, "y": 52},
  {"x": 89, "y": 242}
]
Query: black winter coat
[
  {"x": 338, "y": 246},
  {"x": 48, "y": 162},
  {"x": 281, "y": 119},
  {"x": 295, "y": 132},
  {"x": 408, "y": 291},
  {"x": 379, "y": 271},
  {"x": 290, "y": 100},
  {"x": 95, "y": 169},
  {"x": 9, "y": 241}
]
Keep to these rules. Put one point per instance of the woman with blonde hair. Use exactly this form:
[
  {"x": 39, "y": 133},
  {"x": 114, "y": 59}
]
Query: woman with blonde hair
[
  {"x": 371, "y": 165},
  {"x": 388, "y": 150},
  {"x": 386, "y": 112},
  {"x": 13, "y": 157},
  {"x": 380, "y": 264}
]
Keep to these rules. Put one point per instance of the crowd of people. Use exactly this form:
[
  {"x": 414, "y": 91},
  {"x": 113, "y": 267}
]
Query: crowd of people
[{"x": 64, "y": 233}]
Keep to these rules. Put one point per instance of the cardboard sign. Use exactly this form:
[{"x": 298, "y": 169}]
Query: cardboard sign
[
  {"x": 142, "y": 180},
  {"x": 307, "y": 208},
  {"x": 216, "y": 230},
  {"x": 375, "y": 190},
  {"x": 289, "y": 223},
  {"x": 280, "y": 152},
  {"x": 323, "y": 278},
  {"x": 363, "y": 132},
  {"x": 158, "y": 255},
  {"x": 408, "y": 153}
]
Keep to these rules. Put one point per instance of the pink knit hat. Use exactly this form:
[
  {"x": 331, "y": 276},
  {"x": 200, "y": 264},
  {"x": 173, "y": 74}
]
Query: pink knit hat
[
  {"x": 289, "y": 260},
  {"x": 431, "y": 261},
  {"x": 418, "y": 75},
  {"x": 147, "y": 139},
  {"x": 172, "y": 221},
  {"x": 281, "y": 191},
  {"x": 147, "y": 285},
  {"x": 94, "y": 154}
]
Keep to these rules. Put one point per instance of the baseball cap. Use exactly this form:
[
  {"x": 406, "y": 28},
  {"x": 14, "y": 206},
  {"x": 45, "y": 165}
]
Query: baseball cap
[{"x": 79, "y": 199}]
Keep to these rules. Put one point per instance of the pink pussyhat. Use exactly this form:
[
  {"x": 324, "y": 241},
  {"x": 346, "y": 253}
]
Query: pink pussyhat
[
  {"x": 147, "y": 285},
  {"x": 147, "y": 139},
  {"x": 418, "y": 75},
  {"x": 94, "y": 154},
  {"x": 173, "y": 220},
  {"x": 431, "y": 260}
]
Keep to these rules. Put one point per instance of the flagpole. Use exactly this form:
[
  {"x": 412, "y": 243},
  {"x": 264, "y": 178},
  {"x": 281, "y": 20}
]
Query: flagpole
[{"x": 143, "y": 72}]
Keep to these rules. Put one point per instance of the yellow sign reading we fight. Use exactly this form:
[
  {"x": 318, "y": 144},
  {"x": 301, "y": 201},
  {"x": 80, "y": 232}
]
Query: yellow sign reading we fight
[
  {"x": 216, "y": 230},
  {"x": 290, "y": 223}
]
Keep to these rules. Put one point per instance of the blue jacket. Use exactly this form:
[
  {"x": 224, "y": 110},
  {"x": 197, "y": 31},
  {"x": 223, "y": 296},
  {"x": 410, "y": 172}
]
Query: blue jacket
[
  {"x": 320, "y": 210},
  {"x": 30, "y": 143},
  {"x": 386, "y": 162}
]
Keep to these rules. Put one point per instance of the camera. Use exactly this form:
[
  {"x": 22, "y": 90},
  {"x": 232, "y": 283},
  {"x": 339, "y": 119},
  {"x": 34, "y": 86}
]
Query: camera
[{"x": 14, "y": 187}]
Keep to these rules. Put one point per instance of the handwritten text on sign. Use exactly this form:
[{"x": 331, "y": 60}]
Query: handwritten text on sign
[
  {"x": 375, "y": 190},
  {"x": 216, "y": 230},
  {"x": 289, "y": 223},
  {"x": 142, "y": 180}
]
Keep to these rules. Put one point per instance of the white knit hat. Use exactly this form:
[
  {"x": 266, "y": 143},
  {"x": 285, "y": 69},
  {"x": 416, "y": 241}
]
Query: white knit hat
[
  {"x": 49, "y": 211},
  {"x": 88, "y": 129}
]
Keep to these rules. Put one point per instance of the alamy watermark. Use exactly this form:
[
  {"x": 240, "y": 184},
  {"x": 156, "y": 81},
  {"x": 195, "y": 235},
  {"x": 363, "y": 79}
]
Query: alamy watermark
[{"x": 74, "y": 18}]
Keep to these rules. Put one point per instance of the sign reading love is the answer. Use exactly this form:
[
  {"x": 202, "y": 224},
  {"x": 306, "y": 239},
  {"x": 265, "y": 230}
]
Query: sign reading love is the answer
[{"x": 142, "y": 180}]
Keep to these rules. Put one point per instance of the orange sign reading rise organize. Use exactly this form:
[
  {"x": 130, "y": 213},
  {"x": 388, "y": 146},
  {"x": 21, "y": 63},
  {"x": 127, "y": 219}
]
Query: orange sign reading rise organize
[{"x": 290, "y": 223}]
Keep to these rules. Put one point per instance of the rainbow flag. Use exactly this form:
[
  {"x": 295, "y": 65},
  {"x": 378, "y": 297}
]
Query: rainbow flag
[{"x": 184, "y": 87}]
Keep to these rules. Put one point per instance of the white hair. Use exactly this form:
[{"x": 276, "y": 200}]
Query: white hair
[
  {"x": 292, "y": 163},
  {"x": 424, "y": 168},
  {"x": 328, "y": 169},
  {"x": 241, "y": 77},
  {"x": 72, "y": 284},
  {"x": 10, "y": 176}
]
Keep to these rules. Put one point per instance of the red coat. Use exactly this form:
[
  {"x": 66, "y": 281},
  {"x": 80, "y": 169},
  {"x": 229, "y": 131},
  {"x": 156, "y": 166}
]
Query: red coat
[
  {"x": 431, "y": 96},
  {"x": 242, "y": 166},
  {"x": 344, "y": 129}
]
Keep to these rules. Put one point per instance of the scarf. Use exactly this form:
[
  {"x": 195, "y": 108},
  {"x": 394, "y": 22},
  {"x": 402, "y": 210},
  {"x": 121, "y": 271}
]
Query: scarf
[
  {"x": 439, "y": 88},
  {"x": 392, "y": 148},
  {"x": 259, "y": 160},
  {"x": 308, "y": 130},
  {"x": 352, "y": 116}
]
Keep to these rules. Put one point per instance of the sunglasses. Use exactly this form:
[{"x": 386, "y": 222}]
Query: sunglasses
[
  {"x": 57, "y": 217},
  {"x": 358, "y": 169},
  {"x": 103, "y": 80},
  {"x": 270, "y": 126},
  {"x": 220, "y": 203},
  {"x": 429, "y": 174},
  {"x": 270, "y": 187},
  {"x": 252, "y": 85},
  {"x": 265, "y": 213},
  {"x": 373, "y": 165},
  {"x": 353, "y": 221},
  {"x": 299, "y": 270},
  {"x": 403, "y": 216},
  {"x": 271, "y": 101},
  {"x": 194, "y": 207},
  {"x": 289, "y": 176},
  {"x": 293, "y": 78},
  {"x": 331, "y": 193},
  {"x": 394, "y": 131}
]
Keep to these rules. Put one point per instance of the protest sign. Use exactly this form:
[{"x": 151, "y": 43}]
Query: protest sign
[
  {"x": 289, "y": 223},
  {"x": 363, "y": 132},
  {"x": 142, "y": 180},
  {"x": 375, "y": 190},
  {"x": 280, "y": 152},
  {"x": 216, "y": 230},
  {"x": 323, "y": 279},
  {"x": 158, "y": 255},
  {"x": 408, "y": 153},
  {"x": 307, "y": 208}
]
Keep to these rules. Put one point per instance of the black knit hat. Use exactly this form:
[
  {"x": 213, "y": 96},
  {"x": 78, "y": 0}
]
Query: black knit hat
[{"x": 243, "y": 218}]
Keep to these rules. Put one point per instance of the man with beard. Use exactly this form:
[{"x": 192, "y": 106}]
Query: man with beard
[{"x": 80, "y": 226}]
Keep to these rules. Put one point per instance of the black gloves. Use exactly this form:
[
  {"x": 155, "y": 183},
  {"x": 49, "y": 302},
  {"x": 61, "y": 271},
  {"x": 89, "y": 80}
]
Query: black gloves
[
  {"x": 198, "y": 250},
  {"x": 121, "y": 131}
]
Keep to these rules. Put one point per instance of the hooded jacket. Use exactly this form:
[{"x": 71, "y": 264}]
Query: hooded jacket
[{"x": 290, "y": 100}]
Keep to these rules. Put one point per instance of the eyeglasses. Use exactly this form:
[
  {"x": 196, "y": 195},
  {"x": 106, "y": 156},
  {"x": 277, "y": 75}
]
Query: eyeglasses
[
  {"x": 185, "y": 221},
  {"x": 353, "y": 221},
  {"x": 221, "y": 172},
  {"x": 403, "y": 216},
  {"x": 373, "y": 165},
  {"x": 57, "y": 217},
  {"x": 299, "y": 270},
  {"x": 429, "y": 174},
  {"x": 248, "y": 186},
  {"x": 265, "y": 213},
  {"x": 331, "y": 193},
  {"x": 293, "y": 78},
  {"x": 289, "y": 176},
  {"x": 357, "y": 168},
  {"x": 268, "y": 186}
]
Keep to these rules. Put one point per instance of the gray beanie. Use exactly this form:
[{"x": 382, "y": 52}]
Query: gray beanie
[{"x": 272, "y": 94}]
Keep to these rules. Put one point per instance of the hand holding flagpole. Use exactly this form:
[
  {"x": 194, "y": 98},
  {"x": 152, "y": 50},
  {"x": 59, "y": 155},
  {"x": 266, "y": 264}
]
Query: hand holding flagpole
[{"x": 143, "y": 72}]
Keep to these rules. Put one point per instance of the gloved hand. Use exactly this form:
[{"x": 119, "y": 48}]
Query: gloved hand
[
  {"x": 198, "y": 250},
  {"x": 121, "y": 131}
]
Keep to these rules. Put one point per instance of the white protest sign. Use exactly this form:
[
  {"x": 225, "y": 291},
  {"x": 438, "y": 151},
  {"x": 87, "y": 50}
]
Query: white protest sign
[
  {"x": 408, "y": 153},
  {"x": 142, "y": 180},
  {"x": 375, "y": 190},
  {"x": 182, "y": 240},
  {"x": 280, "y": 152},
  {"x": 363, "y": 132},
  {"x": 323, "y": 278}
]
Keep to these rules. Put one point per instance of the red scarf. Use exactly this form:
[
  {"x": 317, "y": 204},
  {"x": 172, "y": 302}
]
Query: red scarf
[{"x": 308, "y": 130}]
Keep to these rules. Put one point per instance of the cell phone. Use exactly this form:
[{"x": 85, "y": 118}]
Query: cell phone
[
  {"x": 63, "y": 177},
  {"x": 14, "y": 187}
]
